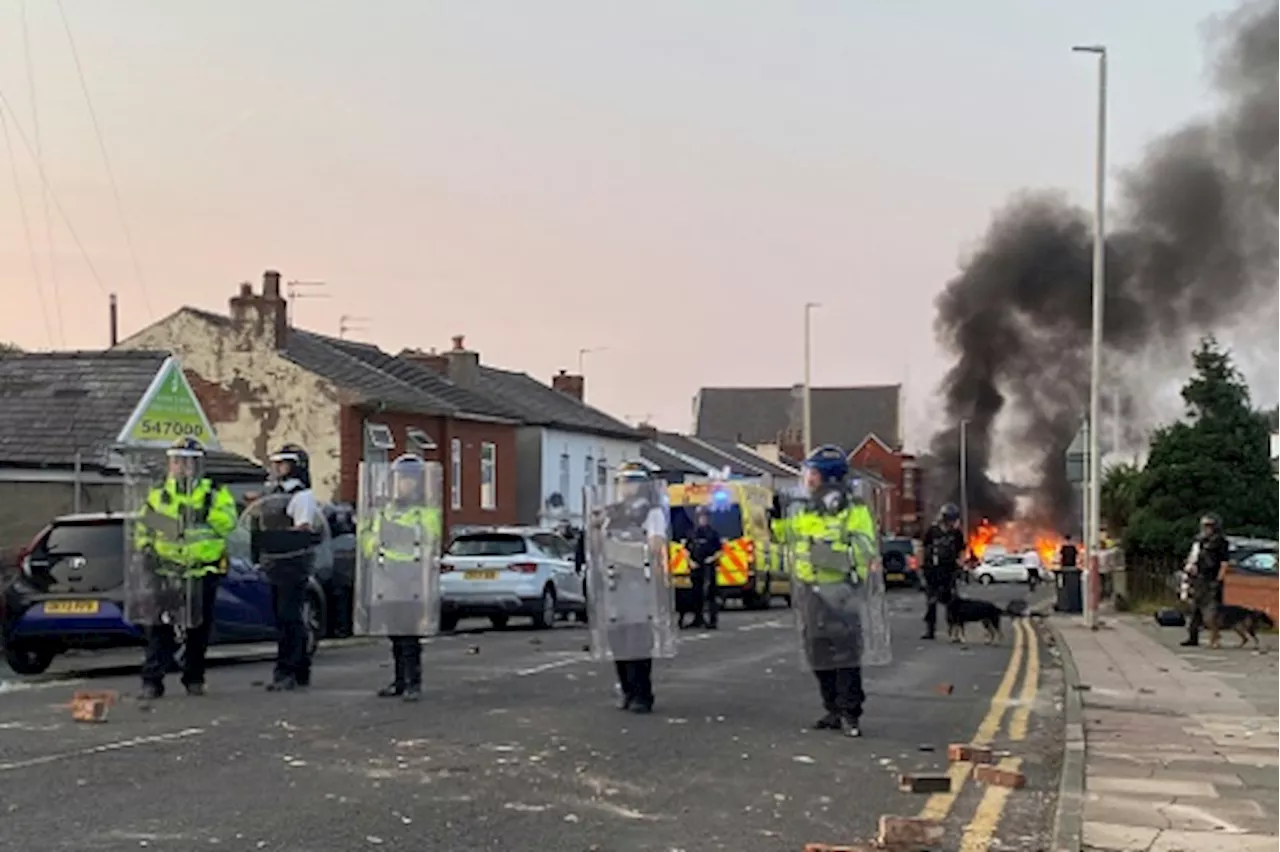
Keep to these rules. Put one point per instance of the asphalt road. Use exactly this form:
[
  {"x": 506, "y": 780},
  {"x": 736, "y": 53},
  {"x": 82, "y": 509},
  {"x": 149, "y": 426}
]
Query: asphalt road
[{"x": 517, "y": 746}]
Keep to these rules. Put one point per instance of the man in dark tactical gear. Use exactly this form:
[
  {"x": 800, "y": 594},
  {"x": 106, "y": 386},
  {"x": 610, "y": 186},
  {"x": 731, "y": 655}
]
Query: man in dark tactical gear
[
  {"x": 944, "y": 547},
  {"x": 1208, "y": 572}
]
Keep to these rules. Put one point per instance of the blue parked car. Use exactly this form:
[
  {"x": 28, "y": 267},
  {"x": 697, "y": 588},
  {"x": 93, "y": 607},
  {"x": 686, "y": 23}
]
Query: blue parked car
[{"x": 70, "y": 594}]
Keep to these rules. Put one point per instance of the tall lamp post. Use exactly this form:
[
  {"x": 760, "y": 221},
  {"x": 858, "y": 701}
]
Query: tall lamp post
[
  {"x": 1099, "y": 288},
  {"x": 808, "y": 388},
  {"x": 964, "y": 476}
]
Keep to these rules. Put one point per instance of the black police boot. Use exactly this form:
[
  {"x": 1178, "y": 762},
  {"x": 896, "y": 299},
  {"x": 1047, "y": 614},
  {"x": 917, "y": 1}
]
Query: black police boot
[
  {"x": 413, "y": 676},
  {"x": 195, "y": 690},
  {"x": 150, "y": 692},
  {"x": 283, "y": 684},
  {"x": 396, "y": 688},
  {"x": 849, "y": 727},
  {"x": 829, "y": 722},
  {"x": 1192, "y": 641}
]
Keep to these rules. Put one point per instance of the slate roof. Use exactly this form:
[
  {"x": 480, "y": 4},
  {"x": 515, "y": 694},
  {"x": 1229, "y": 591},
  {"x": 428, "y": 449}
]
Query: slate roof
[
  {"x": 541, "y": 405},
  {"x": 749, "y": 457},
  {"x": 709, "y": 455},
  {"x": 53, "y": 404},
  {"x": 665, "y": 461},
  {"x": 842, "y": 416}
]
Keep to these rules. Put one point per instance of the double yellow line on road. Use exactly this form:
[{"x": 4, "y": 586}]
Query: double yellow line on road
[{"x": 980, "y": 831}]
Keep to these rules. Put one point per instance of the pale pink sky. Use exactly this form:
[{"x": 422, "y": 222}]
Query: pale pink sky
[{"x": 670, "y": 180}]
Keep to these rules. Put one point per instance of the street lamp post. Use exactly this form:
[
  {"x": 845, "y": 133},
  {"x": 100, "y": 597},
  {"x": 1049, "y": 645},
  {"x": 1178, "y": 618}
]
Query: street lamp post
[
  {"x": 808, "y": 388},
  {"x": 1099, "y": 288},
  {"x": 964, "y": 476}
]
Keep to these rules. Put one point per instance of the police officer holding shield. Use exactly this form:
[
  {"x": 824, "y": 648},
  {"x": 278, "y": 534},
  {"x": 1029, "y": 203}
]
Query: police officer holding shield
[
  {"x": 838, "y": 593},
  {"x": 944, "y": 547},
  {"x": 397, "y": 567},
  {"x": 285, "y": 531},
  {"x": 178, "y": 553},
  {"x": 632, "y": 605}
]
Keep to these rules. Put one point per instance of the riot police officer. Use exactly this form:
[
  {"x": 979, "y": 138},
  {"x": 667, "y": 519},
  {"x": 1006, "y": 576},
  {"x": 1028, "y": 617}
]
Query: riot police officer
[
  {"x": 183, "y": 527},
  {"x": 1208, "y": 573},
  {"x": 831, "y": 541},
  {"x": 944, "y": 547},
  {"x": 284, "y": 542},
  {"x": 704, "y": 546},
  {"x": 399, "y": 554},
  {"x": 628, "y": 586}
]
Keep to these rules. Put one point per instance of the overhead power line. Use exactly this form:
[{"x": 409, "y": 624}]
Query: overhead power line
[{"x": 26, "y": 227}]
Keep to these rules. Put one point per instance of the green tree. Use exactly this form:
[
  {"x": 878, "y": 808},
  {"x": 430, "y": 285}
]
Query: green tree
[
  {"x": 1217, "y": 460},
  {"x": 1119, "y": 495},
  {"x": 6, "y": 348}
]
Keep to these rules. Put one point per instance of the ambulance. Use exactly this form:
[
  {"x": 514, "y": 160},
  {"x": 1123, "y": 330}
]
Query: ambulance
[{"x": 739, "y": 511}]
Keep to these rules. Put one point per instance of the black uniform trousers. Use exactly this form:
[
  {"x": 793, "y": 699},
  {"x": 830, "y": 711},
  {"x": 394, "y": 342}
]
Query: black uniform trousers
[
  {"x": 293, "y": 658},
  {"x": 636, "y": 679},
  {"x": 939, "y": 589},
  {"x": 706, "y": 595},
  {"x": 406, "y": 652},
  {"x": 162, "y": 643},
  {"x": 842, "y": 693}
]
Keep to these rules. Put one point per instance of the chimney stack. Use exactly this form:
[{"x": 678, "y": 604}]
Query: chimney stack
[
  {"x": 113, "y": 320},
  {"x": 433, "y": 361},
  {"x": 264, "y": 317},
  {"x": 271, "y": 285},
  {"x": 464, "y": 365},
  {"x": 569, "y": 385}
]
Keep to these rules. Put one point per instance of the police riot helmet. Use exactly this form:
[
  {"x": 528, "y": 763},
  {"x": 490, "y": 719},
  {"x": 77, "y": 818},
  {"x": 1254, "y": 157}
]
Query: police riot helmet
[
  {"x": 298, "y": 461},
  {"x": 949, "y": 513},
  {"x": 1210, "y": 522},
  {"x": 408, "y": 479},
  {"x": 830, "y": 462},
  {"x": 186, "y": 458}
]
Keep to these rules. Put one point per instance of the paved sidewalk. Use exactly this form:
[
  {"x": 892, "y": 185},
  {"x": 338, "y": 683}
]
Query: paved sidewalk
[{"x": 1181, "y": 749}]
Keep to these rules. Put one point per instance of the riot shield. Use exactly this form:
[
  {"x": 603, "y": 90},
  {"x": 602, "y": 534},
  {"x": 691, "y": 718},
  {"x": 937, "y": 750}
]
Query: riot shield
[
  {"x": 629, "y": 593},
  {"x": 160, "y": 522},
  {"x": 841, "y": 613},
  {"x": 876, "y": 648},
  {"x": 397, "y": 588},
  {"x": 284, "y": 550}
]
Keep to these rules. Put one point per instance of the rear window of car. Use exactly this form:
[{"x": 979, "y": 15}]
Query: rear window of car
[
  {"x": 488, "y": 544},
  {"x": 99, "y": 542},
  {"x": 898, "y": 545}
]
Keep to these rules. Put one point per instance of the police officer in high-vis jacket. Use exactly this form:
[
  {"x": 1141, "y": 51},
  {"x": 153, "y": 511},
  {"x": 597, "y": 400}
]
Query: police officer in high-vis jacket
[
  {"x": 399, "y": 549},
  {"x": 831, "y": 542},
  {"x": 183, "y": 527}
]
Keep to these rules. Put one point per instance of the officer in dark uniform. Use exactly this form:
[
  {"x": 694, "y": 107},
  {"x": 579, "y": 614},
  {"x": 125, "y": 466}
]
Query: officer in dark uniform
[
  {"x": 704, "y": 546},
  {"x": 944, "y": 546},
  {"x": 1208, "y": 575},
  {"x": 284, "y": 539}
]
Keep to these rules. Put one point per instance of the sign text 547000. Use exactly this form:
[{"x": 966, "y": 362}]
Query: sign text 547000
[{"x": 171, "y": 428}]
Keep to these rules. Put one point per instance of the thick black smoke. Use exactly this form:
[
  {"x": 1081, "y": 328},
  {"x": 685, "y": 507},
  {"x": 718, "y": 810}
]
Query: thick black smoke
[{"x": 1191, "y": 248}]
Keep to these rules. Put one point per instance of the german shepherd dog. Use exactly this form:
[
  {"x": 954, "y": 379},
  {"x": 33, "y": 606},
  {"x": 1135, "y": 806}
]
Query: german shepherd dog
[
  {"x": 1244, "y": 621},
  {"x": 962, "y": 611}
]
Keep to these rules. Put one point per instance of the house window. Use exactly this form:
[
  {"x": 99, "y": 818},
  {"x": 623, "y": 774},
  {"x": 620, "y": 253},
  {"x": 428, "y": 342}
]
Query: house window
[
  {"x": 488, "y": 476},
  {"x": 602, "y": 473},
  {"x": 588, "y": 471},
  {"x": 455, "y": 473},
  {"x": 564, "y": 475},
  {"x": 419, "y": 442},
  {"x": 909, "y": 482},
  {"x": 378, "y": 441}
]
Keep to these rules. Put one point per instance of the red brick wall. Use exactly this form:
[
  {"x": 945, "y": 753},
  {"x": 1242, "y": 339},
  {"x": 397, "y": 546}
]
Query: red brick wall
[
  {"x": 873, "y": 457},
  {"x": 442, "y": 430},
  {"x": 1254, "y": 592}
]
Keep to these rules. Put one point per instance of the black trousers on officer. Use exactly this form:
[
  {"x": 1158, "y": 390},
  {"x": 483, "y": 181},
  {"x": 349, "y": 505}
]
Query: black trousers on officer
[
  {"x": 938, "y": 590},
  {"x": 162, "y": 643},
  {"x": 406, "y": 652},
  {"x": 706, "y": 595},
  {"x": 293, "y": 658},
  {"x": 842, "y": 693},
  {"x": 636, "y": 679}
]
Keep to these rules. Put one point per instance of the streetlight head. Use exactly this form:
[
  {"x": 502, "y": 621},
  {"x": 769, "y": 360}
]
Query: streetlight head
[{"x": 1090, "y": 48}]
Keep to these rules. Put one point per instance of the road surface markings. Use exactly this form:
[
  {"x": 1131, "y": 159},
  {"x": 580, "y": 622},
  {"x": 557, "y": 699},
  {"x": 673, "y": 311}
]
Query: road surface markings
[
  {"x": 762, "y": 625},
  {"x": 7, "y": 686},
  {"x": 986, "y": 819},
  {"x": 554, "y": 664},
  {"x": 102, "y": 749},
  {"x": 939, "y": 804}
]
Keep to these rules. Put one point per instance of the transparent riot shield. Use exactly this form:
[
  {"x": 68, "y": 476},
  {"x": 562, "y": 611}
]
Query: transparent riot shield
[
  {"x": 629, "y": 593},
  {"x": 840, "y": 610},
  {"x": 876, "y": 649},
  {"x": 284, "y": 550},
  {"x": 161, "y": 520},
  {"x": 397, "y": 588}
]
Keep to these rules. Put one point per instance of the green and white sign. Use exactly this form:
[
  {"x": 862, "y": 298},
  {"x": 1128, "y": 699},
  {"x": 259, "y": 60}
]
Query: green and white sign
[{"x": 168, "y": 411}]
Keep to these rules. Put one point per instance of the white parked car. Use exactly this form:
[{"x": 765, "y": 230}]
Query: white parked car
[
  {"x": 499, "y": 572},
  {"x": 1009, "y": 568}
]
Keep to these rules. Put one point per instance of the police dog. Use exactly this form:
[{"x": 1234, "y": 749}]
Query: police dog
[
  {"x": 1244, "y": 621},
  {"x": 962, "y": 611}
]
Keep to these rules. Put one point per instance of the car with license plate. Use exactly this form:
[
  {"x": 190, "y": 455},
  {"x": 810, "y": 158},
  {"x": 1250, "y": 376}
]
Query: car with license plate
[
  {"x": 501, "y": 572},
  {"x": 898, "y": 558},
  {"x": 69, "y": 594},
  {"x": 1008, "y": 568}
]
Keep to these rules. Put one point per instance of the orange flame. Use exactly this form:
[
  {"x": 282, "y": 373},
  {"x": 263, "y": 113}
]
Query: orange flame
[
  {"x": 984, "y": 535},
  {"x": 1047, "y": 548}
]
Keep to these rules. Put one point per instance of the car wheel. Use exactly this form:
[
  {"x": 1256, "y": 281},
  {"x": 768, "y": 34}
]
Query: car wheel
[
  {"x": 313, "y": 621},
  {"x": 545, "y": 617},
  {"x": 498, "y": 621},
  {"x": 448, "y": 622},
  {"x": 29, "y": 661},
  {"x": 986, "y": 579}
]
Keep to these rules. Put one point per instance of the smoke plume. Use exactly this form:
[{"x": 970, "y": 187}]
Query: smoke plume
[{"x": 1191, "y": 248}]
